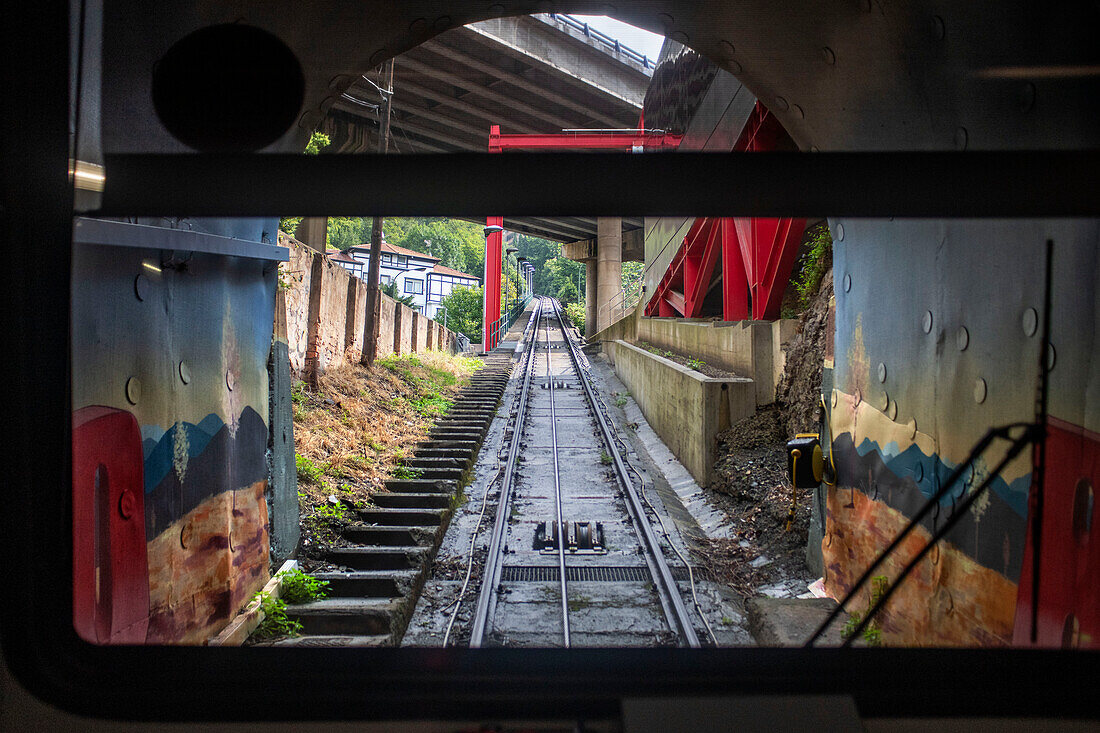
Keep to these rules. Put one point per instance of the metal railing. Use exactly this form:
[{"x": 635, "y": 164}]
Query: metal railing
[
  {"x": 619, "y": 307},
  {"x": 501, "y": 325},
  {"x": 605, "y": 39}
]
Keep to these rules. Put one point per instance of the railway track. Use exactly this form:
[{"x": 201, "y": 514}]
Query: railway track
[{"x": 573, "y": 557}]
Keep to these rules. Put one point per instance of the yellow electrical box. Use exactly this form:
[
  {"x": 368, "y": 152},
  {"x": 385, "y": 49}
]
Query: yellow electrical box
[{"x": 805, "y": 461}]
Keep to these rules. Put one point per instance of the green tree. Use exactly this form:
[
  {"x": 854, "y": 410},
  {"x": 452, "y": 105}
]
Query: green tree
[
  {"x": 464, "y": 306},
  {"x": 390, "y": 289}
]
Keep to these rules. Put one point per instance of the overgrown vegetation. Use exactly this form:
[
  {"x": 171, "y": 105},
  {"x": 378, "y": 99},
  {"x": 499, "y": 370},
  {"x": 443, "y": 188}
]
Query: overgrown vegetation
[
  {"x": 575, "y": 313},
  {"x": 358, "y": 428},
  {"x": 276, "y": 622},
  {"x": 299, "y": 587},
  {"x": 811, "y": 267},
  {"x": 872, "y": 633}
]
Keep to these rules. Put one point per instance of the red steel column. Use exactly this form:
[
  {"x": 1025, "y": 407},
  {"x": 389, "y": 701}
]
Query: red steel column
[{"x": 492, "y": 279}]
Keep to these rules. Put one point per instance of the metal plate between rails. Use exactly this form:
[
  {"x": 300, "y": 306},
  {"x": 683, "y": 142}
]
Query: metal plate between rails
[{"x": 592, "y": 573}]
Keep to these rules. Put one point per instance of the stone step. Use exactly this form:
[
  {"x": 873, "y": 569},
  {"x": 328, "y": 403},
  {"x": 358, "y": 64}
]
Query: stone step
[
  {"x": 422, "y": 485},
  {"x": 331, "y": 640},
  {"x": 391, "y": 500},
  {"x": 372, "y": 534},
  {"x": 462, "y": 455},
  {"x": 369, "y": 583},
  {"x": 471, "y": 445},
  {"x": 457, "y": 434},
  {"x": 455, "y": 474},
  {"x": 348, "y": 616},
  {"x": 378, "y": 557},
  {"x": 419, "y": 461},
  {"x": 402, "y": 517}
]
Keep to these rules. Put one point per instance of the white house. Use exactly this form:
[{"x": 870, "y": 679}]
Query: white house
[{"x": 414, "y": 273}]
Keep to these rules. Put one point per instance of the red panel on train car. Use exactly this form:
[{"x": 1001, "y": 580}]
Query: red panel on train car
[
  {"x": 110, "y": 566},
  {"x": 1069, "y": 591}
]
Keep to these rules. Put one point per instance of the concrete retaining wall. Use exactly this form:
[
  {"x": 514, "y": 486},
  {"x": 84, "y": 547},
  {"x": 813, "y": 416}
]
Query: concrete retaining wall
[
  {"x": 753, "y": 349},
  {"x": 325, "y": 310},
  {"x": 684, "y": 407}
]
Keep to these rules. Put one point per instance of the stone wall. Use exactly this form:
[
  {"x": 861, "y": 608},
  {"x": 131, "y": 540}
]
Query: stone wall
[{"x": 325, "y": 310}]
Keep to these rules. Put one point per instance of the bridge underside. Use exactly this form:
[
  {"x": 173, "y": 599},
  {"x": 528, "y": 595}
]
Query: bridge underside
[{"x": 527, "y": 74}]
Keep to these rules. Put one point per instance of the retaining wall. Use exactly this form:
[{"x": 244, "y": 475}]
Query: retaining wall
[
  {"x": 325, "y": 310},
  {"x": 753, "y": 349},
  {"x": 685, "y": 408}
]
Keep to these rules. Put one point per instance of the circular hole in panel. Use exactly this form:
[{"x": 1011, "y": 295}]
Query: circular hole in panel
[{"x": 228, "y": 88}]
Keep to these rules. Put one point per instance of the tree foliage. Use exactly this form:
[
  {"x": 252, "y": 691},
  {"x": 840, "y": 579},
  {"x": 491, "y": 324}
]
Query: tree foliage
[{"x": 464, "y": 312}]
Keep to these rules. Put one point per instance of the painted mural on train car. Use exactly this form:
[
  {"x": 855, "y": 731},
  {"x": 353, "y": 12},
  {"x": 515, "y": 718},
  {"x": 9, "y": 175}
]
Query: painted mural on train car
[
  {"x": 936, "y": 340},
  {"x": 170, "y": 441}
]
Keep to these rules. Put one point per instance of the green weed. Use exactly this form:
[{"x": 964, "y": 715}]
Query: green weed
[
  {"x": 299, "y": 587},
  {"x": 872, "y": 634},
  {"x": 308, "y": 471},
  {"x": 276, "y": 622},
  {"x": 406, "y": 472}
]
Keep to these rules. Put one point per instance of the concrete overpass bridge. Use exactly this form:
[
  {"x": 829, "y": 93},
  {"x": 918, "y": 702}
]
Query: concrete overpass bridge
[{"x": 539, "y": 73}]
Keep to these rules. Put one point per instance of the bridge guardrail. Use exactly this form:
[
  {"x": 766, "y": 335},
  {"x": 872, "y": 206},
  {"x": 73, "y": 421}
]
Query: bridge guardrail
[{"x": 605, "y": 39}]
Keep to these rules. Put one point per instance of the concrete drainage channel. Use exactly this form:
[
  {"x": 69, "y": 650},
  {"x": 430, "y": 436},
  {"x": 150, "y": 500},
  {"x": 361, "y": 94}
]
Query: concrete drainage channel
[{"x": 396, "y": 539}]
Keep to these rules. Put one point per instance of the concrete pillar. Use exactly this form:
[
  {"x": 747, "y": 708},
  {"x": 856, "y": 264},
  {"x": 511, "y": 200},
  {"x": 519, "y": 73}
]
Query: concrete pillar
[
  {"x": 609, "y": 259},
  {"x": 591, "y": 278},
  {"x": 313, "y": 231}
]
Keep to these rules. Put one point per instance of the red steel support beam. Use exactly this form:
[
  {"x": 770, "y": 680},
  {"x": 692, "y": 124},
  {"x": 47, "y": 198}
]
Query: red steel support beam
[
  {"x": 735, "y": 284},
  {"x": 492, "y": 281},
  {"x": 625, "y": 141}
]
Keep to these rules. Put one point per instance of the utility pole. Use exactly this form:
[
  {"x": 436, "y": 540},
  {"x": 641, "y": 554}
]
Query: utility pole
[{"x": 371, "y": 320}]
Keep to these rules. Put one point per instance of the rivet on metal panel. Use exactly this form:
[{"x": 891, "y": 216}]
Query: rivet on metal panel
[
  {"x": 839, "y": 231},
  {"x": 782, "y": 104},
  {"x": 186, "y": 534},
  {"x": 1030, "y": 321},
  {"x": 962, "y": 137},
  {"x": 934, "y": 554},
  {"x": 133, "y": 390},
  {"x": 828, "y": 55},
  {"x": 885, "y": 401},
  {"x": 926, "y": 322},
  {"x": 734, "y": 67},
  {"x": 979, "y": 390},
  {"x": 679, "y": 37},
  {"x": 126, "y": 504},
  {"x": 338, "y": 82},
  {"x": 726, "y": 49},
  {"x": 420, "y": 26},
  {"x": 1026, "y": 100},
  {"x": 442, "y": 23},
  {"x": 834, "y": 398},
  {"x": 939, "y": 29},
  {"x": 666, "y": 19},
  {"x": 378, "y": 57},
  {"x": 918, "y": 472},
  {"x": 892, "y": 408},
  {"x": 797, "y": 109},
  {"x": 230, "y": 379},
  {"x": 185, "y": 373},
  {"x": 141, "y": 287},
  {"x": 881, "y": 372},
  {"x": 912, "y": 428},
  {"x": 847, "y": 283},
  {"x": 962, "y": 338},
  {"x": 1052, "y": 357},
  {"x": 309, "y": 119}
]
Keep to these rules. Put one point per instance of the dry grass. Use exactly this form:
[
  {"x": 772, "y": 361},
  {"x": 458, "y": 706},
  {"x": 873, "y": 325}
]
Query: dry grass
[{"x": 362, "y": 423}]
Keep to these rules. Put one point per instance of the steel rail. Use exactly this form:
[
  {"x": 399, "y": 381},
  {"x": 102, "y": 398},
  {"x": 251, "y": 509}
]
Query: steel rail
[
  {"x": 490, "y": 576},
  {"x": 557, "y": 490},
  {"x": 675, "y": 610}
]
